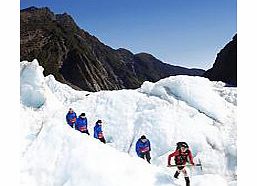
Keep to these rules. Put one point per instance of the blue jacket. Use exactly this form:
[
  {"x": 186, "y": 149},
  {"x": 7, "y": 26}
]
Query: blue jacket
[
  {"x": 81, "y": 124},
  {"x": 70, "y": 117},
  {"x": 142, "y": 147},
  {"x": 98, "y": 131}
]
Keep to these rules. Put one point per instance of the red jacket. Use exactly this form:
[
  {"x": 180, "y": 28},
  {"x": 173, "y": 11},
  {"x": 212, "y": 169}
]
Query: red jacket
[{"x": 181, "y": 158}]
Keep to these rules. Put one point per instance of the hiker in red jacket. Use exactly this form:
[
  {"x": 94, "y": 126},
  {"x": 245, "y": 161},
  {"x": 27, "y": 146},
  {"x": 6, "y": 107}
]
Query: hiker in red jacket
[{"x": 182, "y": 154}]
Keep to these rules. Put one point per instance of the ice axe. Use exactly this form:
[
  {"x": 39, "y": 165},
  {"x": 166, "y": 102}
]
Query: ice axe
[
  {"x": 188, "y": 165},
  {"x": 200, "y": 163}
]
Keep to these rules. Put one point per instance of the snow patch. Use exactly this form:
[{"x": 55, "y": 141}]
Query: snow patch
[{"x": 32, "y": 83}]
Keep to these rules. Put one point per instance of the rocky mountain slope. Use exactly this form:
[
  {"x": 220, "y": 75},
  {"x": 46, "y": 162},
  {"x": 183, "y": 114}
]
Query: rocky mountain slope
[
  {"x": 79, "y": 59},
  {"x": 225, "y": 66}
]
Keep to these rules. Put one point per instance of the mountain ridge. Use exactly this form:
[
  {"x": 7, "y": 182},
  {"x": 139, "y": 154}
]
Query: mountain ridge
[
  {"x": 225, "y": 65},
  {"x": 78, "y": 58}
]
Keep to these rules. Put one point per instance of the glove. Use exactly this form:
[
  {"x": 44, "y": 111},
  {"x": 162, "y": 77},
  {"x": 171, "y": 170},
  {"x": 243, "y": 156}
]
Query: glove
[{"x": 193, "y": 163}]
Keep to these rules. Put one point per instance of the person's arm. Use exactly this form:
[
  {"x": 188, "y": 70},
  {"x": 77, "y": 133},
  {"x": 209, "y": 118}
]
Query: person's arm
[
  {"x": 86, "y": 121},
  {"x": 149, "y": 145},
  {"x": 98, "y": 130},
  {"x": 74, "y": 119},
  {"x": 67, "y": 118},
  {"x": 95, "y": 134},
  {"x": 78, "y": 122},
  {"x": 171, "y": 155},
  {"x": 191, "y": 158},
  {"x": 137, "y": 148}
]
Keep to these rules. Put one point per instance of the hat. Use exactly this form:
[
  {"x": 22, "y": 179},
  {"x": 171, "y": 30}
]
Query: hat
[
  {"x": 143, "y": 137},
  {"x": 70, "y": 109},
  {"x": 99, "y": 121},
  {"x": 82, "y": 114}
]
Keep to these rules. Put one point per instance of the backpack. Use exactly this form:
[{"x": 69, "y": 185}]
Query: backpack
[{"x": 180, "y": 144}]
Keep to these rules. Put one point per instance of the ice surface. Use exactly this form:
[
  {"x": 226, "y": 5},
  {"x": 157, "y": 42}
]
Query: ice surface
[
  {"x": 32, "y": 84},
  {"x": 178, "y": 108}
]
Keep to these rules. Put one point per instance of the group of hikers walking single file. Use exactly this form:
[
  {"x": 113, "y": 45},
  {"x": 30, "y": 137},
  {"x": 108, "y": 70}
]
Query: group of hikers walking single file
[
  {"x": 80, "y": 124},
  {"x": 181, "y": 155}
]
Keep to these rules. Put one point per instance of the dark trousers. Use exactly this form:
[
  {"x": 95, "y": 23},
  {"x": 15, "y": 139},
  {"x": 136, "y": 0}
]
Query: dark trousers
[
  {"x": 182, "y": 169},
  {"x": 102, "y": 139},
  {"x": 85, "y": 131},
  {"x": 145, "y": 155},
  {"x": 71, "y": 125}
]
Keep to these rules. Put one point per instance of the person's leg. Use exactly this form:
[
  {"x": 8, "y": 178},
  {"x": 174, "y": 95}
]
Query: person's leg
[
  {"x": 186, "y": 177},
  {"x": 187, "y": 181},
  {"x": 141, "y": 155},
  {"x": 148, "y": 157},
  {"x": 87, "y": 132},
  {"x": 178, "y": 171},
  {"x": 176, "y": 174},
  {"x": 184, "y": 172},
  {"x": 102, "y": 140}
]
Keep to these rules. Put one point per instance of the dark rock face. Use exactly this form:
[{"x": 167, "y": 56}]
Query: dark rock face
[
  {"x": 79, "y": 59},
  {"x": 225, "y": 66},
  {"x": 153, "y": 69}
]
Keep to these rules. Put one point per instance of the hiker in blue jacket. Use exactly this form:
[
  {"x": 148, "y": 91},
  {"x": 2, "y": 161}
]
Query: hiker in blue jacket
[
  {"x": 71, "y": 117},
  {"x": 98, "y": 133},
  {"x": 81, "y": 123},
  {"x": 143, "y": 148}
]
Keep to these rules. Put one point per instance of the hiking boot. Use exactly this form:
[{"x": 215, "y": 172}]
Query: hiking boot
[
  {"x": 176, "y": 174},
  {"x": 187, "y": 181}
]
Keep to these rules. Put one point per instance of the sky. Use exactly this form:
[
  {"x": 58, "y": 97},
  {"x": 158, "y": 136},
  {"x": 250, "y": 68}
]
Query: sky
[{"x": 179, "y": 32}]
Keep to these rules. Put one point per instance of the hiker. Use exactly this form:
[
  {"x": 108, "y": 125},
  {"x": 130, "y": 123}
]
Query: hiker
[
  {"x": 182, "y": 154},
  {"x": 98, "y": 133},
  {"x": 71, "y": 117},
  {"x": 143, "y": 148},
  {"x": 81, "y": 124}
]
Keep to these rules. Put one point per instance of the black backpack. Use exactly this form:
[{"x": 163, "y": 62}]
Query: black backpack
[{"x": 181, "y": 144}]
